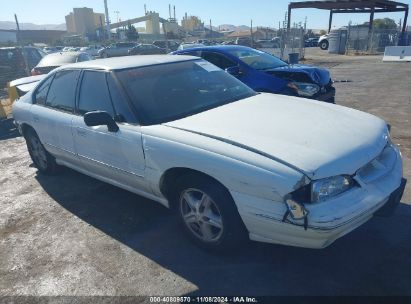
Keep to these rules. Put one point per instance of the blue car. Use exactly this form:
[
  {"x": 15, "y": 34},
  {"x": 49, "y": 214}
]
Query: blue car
[{"x": 264, "y": 72}]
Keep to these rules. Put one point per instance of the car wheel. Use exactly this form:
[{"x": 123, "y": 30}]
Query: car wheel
[
  {"x": 208, "y": 214},
  {"x": 43, "y": 160},
  {"x": 324, "y": 45}
]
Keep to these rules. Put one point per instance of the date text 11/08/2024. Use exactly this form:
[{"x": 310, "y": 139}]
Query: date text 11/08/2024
[{"x": 203, "y": 300}]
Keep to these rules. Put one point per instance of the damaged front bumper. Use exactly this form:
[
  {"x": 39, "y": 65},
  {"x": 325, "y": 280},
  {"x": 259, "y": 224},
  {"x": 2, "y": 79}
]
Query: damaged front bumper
[{"x": 327, "y": 221}]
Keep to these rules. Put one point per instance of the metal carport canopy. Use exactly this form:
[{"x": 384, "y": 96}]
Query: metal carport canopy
[{"x": 353, "y": 6}]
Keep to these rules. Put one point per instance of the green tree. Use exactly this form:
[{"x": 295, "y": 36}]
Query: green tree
[
  {"x": 131, "y": 33},
  {"x": 383, "y": 24}
]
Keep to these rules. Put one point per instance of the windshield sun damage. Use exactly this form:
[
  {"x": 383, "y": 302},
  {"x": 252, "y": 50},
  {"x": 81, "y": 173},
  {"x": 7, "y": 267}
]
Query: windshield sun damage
[
  {"x": 167, "y": 92},
  {"x": 257, "y": 59}
]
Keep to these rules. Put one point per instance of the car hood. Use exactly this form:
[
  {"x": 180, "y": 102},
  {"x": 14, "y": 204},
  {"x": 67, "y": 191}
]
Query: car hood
[
  {"x": 315, "y": 138},
  {"x": 299, "y": 72}
]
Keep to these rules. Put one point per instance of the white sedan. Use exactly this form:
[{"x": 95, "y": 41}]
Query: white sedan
[{"x": 233, "y": 163}]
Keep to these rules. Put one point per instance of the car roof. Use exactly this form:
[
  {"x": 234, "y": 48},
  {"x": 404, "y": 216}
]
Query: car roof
[
  {"x": 126, "y": 62},
  {"x": 67, "y": 54},
  {"x": 222, "y": 48}
]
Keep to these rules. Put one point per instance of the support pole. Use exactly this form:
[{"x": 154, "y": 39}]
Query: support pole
[
  {"x": 18, "y": 28},
  {"x": 107, "y": 20},
  {"x": 330, "y": 21},
  {"x": 404, "y": 24},
  {"x": 289, "y": 17},
  {"x": 370, "y": 28}
]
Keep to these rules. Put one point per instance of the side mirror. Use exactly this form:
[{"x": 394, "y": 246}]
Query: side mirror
[
  {"x": 235, "y": 71},
  {"x": 100, "y": 118}
]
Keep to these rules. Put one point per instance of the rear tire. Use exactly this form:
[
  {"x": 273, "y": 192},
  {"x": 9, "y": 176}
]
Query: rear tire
[
  {"x": 42, "y": 159},
  {"x": 208, "y": 214}
]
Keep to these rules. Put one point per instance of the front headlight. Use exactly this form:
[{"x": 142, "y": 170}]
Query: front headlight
[
  {"x": 304, "y": 89},
  {"x": 326, "y": 188}
]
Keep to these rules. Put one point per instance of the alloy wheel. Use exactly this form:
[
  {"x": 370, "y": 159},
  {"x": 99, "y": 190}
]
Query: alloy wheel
[{"x": 201, "y": 215}]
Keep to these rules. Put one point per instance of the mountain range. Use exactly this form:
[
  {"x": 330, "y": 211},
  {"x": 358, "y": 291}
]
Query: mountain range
[{"x": 10, "y": 25}]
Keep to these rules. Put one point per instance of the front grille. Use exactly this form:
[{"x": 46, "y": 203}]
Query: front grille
[{"x": 380, "y": 166}]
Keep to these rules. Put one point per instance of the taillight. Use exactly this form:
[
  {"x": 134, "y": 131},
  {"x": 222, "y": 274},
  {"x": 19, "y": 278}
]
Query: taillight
[{"x": 35, "y": 72}]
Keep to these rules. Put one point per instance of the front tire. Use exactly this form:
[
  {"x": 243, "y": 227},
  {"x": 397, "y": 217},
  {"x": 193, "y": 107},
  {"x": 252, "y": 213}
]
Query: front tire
[
  {"x": 324, "y": 45},
  {"x": 208, "y": 214},
  {"x": 42, "y": 159}
]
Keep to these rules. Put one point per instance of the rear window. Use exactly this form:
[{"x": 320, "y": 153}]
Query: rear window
[
  {"x": 58, "y": 59},
  {"x": 10, "y": 56}
]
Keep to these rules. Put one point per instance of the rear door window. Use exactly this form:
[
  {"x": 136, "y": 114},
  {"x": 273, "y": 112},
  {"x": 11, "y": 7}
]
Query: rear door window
[
  {"x": 62, "y": 92},
  {"x": 219, "y": 60}
]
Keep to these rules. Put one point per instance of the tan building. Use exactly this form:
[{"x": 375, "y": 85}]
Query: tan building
[
  {"x": 153, "y": 23},
  {"x": 192, "y": 23},
  {"x": 83, "y": 21}
]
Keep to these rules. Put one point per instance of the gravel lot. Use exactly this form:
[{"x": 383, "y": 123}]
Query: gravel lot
[{"x": 72, "y": 235}]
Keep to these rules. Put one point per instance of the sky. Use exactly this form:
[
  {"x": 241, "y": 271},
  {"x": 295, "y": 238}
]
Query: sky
[{"x": 236, "y": 12}]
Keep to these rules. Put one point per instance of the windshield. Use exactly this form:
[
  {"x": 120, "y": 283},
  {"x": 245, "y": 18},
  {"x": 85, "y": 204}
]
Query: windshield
[
  {"x": 167, "y": 92},
  {"x": 257, "y": 59}
]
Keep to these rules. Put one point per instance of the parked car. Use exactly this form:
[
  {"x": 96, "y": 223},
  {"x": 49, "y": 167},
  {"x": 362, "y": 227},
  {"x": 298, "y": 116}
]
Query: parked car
[
  {"x": 311, "y": 42},
  {"x": 245, "y": 41},
  {"x": 185, "y": 46},
  {"x": 116, "y": 49},
  {"x": 267, "y": 43},
  {"x": 266, "y": 73},
  {"x": 323, "y": 42},
  {"x": 19, "y": 87},
  {"x": 49, "y": 49},
  {"x": 234, "y": 164},
  {"x": 52, "y": 61},
  {"x": 170, "y": 45},
  {"x": 146, "y": 49},
  {"x": 92, "y": 50},
  {"x": 16, "y": 62}
]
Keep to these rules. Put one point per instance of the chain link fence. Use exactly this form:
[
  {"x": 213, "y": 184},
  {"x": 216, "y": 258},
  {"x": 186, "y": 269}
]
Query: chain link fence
[
  {"x": 288, "y": 41},
  {"x": 360, "y": 40}
]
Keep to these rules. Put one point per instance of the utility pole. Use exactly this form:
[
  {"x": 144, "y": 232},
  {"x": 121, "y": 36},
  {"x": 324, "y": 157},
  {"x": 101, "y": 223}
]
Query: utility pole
[
  {"x": 107, "y": 20},
  {"x": 251, "y": 31},
  {"x": 18, "y": 28},
  {"x": 118, "y": 13},
  {"x": 211, "y": 30}
]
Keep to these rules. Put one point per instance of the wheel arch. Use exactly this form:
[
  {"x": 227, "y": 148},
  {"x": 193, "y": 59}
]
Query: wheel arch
[
  {"x": 25, "y": 128},
  {"x": 171, "y": 177}
]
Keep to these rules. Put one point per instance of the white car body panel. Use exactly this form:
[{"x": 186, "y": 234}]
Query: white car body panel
[
  {"x": 266, "y": 124},
  {"x": 261, "y": 149},
  {"x": 118, "y": 155}
]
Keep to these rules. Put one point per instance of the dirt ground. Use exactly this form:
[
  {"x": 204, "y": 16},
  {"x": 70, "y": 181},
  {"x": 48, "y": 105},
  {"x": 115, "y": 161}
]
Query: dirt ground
[{"x": 72, "y": 235}]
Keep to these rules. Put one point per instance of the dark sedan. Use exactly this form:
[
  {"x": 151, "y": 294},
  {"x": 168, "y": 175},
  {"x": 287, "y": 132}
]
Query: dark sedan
[
  {"x": 264, "y": 72},
  {"x": 16, "y": 62},
  {"x": 55, "y": 60},
  {"x": 146, "y": 49}
]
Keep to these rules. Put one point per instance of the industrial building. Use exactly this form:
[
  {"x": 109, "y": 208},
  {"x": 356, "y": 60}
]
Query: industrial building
[{"x": 84, "y": 21}]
